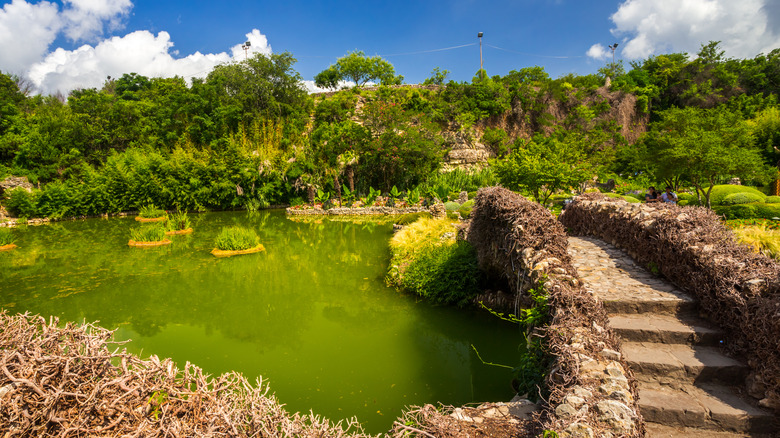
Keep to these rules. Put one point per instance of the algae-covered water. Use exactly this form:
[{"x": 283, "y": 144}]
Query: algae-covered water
[{"x": 311, "y": 314}]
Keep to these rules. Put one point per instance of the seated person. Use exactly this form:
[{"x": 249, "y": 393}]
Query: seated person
[
  {"x": 652, "y": 195},
  {"x": 669, "y": 196}
]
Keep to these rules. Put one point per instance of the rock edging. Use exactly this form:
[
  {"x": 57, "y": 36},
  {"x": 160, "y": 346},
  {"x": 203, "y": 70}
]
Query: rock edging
[{"x": 592, "y": 391}]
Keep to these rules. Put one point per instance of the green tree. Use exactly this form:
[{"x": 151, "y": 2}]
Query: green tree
[
  {"x": 544, "y": 165},
  {"x": 358, "y": 68},
  {"x": 703, "y": 146},
  {"x": 438, "y": 77}
]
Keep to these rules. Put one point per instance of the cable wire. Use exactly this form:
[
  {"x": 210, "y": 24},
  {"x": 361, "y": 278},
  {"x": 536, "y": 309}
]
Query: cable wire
[
  {"x": 532, "y": 54},
  {"x": 432, "y": 50}
]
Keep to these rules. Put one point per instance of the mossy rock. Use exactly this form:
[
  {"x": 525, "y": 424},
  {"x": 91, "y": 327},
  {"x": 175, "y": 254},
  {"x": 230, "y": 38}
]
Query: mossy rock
[
  {"x": 719, "y": 192},
  {"x": 742, "y": 198}
]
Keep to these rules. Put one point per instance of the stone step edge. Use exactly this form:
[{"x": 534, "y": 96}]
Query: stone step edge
[
  {"x": 651, "y": 361},
  {"x": 665, "y": 329}
]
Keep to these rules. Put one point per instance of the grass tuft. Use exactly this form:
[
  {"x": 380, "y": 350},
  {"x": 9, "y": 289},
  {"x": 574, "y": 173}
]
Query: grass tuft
[
  {"x": 148, "y": 233},
  {"x": 150, "y": 212},
  {"x": 237, "y": 239},
  {"x": 6, "y": 237},
  {"x": 761, "y": 238}
]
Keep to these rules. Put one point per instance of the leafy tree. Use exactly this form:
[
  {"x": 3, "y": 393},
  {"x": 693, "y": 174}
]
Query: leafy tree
[
  {"x": 437, "y": 77},
  {"x": 358, "y": 68},
  {"x": 702, "y": 146},
  {"x": 544, "y": 165}
]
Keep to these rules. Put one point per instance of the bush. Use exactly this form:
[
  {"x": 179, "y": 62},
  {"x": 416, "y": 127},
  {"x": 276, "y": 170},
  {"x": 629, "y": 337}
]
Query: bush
[
  {"x": 444, "y": 274},
  {"x": 720, "y": 192},
  {"x": 629, "y": 199},
  {"x": 772, "y": 200},
  {"x": 237, "y": 238},
  {"x": 22, "y": 203},
  {"x": 6, "y": 237},
  {"x": 148, "y": 233},
  {"x": 409, "y": 218},
  {"x": 742, "y": 198},
  {"x": 178, "y": 221},
  {"x": 150, "y": 212},
  {"x": 741, "y": 211},
  {"x": 451, "y": 206},
  {"x": 465, "y": 209}
]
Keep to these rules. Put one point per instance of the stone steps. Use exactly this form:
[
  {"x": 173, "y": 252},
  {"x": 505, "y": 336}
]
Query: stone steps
[
  {"x": 668, "y": 329},
  {"x": 685, "y": 381}
]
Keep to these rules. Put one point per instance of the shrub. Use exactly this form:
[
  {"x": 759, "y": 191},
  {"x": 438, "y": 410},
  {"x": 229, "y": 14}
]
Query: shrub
[
  {"x": 766, "y": 211},
  {"x": 178, "y": 221},
  {"x": 719, "y": 192},
  {"x": 761, "y": 239},
  {"x": 150, "y": 211},
  {"x": 629, "y": 199},
  {"x": 465, "y": 209},
  {"x": 451, "y": 206},
  {"x": 237, "y": 238},
  {"x": 742, "y": 198},
  {"x": 444, "y": 274},
  {"x": 772, "y": 200},
  {"x": 6, "y": 237},
  {"x": 409, "y": 218},
  {"x": 22, "y": 203},
  {"x": 741, "y": 211},
  {"x": 148, "y": 233}
]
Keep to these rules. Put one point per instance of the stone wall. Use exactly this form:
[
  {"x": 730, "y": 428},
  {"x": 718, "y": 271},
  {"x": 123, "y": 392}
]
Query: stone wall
[
  {"x": 591, "y": 390},
  {"x": 737, "y": 289}
]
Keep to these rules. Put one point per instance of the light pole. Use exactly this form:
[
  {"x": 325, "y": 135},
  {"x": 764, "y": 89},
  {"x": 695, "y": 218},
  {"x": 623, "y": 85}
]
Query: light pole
[
  {"x": 246, "y": 47},
  {"x": 479, "y": 35},
  {"x": 613, "y": 47}
]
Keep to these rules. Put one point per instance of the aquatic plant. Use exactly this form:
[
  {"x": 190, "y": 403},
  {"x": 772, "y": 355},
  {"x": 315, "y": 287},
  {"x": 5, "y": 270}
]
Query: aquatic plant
[
  {"x": 150, "y": 211},
  {"x": 237, "y": 238},
  {"x": 178, "y": 221},
  {"x": 6, "y": 237},
  {"x": 148, "y": 233}
]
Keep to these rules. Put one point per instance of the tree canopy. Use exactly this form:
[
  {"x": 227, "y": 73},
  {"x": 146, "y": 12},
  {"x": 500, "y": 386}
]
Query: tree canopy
[{"x": 360, "y": 69}]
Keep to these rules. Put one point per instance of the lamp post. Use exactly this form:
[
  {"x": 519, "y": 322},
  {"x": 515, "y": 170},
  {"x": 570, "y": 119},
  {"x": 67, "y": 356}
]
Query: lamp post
[
  {"x": 479, "y": 35},
  {"x": 246, "y": 47},
  {"x": 613, "y": 47}
]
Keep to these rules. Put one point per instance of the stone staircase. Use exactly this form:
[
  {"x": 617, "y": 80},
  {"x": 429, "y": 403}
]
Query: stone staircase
[{"x": 687, "y": 386}]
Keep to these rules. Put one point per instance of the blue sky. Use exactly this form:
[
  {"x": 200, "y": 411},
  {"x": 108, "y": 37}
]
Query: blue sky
[{"x": 70, "y": 44}]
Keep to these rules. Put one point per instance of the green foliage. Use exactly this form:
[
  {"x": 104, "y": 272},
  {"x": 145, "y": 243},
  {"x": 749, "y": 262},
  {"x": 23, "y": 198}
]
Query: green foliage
[
  {"x": 451, "y": 206},
  {"x": 459, "y": 180},
  {"x": 150, "y": 212},
  {"x": 756, "y": 210},
  {"x": 20, "y": 202},
  {"x": 178, "y": 221},
  {"x": 410, "y": 218},
  {"x": 444, "y": 274},
  {"x": 371, "y": 197},
  {"x": 465, "y": 209},
  {"x": 497, "y": 139},
  {"x": 742, "y": 198},
  {"x": 237, "y": 238},
  {"x": 438, "y": 77},
  {"x": 6, "y": 236},
  {"x": 720, "y": 192},
  {"x": 148, "y": 233},
  {"x": 413, "y": 196},
  {"x": 772, "y": 200},
  {"x": 628, "y": 198},
  {"x": 358, "y": 68}
]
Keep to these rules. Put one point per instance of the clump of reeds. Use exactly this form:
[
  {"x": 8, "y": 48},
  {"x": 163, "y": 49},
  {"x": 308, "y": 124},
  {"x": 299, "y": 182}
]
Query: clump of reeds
[
  {"x": 148, "y": 233},
  {"x": 237, "y": 238},
  {"x": 6, "y": 237},
  {"x": 178, "y": 221},
  {"x": 417, "y": 235},
  {"x": 761, "y": 238},
  {"x": 150, "y": 211}
]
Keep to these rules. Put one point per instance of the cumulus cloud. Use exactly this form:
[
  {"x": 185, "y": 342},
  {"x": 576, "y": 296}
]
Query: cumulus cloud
[
  {"x": 659, "y": 26},
  {"x": 85, "y": 19},
  {"x": 26, "y": 31},
  {"x": 598, "y": 51},
  {"x": 140, "y": 52}
]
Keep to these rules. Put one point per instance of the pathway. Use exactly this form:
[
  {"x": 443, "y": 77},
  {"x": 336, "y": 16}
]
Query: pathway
[{"x": 687, "y": 387}]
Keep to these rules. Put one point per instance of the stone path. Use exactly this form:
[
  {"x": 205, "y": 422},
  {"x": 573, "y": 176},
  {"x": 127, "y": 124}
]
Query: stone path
[{"x": 687, "y": 387}]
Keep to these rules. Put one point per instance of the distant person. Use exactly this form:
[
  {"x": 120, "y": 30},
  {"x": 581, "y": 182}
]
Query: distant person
[
  {"x": 652, "y": 196},
  {"x": 669, "y": 196}
]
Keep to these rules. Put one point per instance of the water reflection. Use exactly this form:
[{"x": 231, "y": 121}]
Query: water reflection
[{"x": 311, "y": 313}]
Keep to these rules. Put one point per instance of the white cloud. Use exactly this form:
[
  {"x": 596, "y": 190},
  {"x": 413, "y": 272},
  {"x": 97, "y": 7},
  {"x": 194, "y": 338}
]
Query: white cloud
[
  {"x": 85, "y": 19},
  {"x": 659, "y": 26},
  {"x": 26, "y": 31},
  {"x": 598, "y": 51},
  {"x": 140, "y": 52}
]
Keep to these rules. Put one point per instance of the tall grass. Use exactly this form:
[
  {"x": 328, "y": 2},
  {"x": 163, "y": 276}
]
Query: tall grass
[
  {"x": 461, "y": 180},
  {"x": 150, "y": 212},
  {"x": 178, "y": 221},
  {"x": 761, "y": 239},
  {"x": 237, "y": 238},
  {"x": 6, "y": 237},
  {"x": 407, "y": 242},
  {"x": 148, "y": 233}
]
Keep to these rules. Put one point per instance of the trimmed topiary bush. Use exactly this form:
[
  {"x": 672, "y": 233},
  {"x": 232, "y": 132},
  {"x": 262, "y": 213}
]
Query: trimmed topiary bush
[
  {"x": 742, "y": 198},
  {"x": 720, "y": 192},
  {"x": 451, "y": 206},
  {"x": 772, "y": 200}
]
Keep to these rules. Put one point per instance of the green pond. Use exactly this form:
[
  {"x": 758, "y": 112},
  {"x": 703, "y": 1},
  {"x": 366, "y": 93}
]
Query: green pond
[{"x": 311, "y": 314}]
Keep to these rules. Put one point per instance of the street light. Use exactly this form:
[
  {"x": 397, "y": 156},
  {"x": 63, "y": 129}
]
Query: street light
[
  {"x": 479, "y": 35},
  {"x": 246, "y": 47},
  {"x": 613, "y": 47}
]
